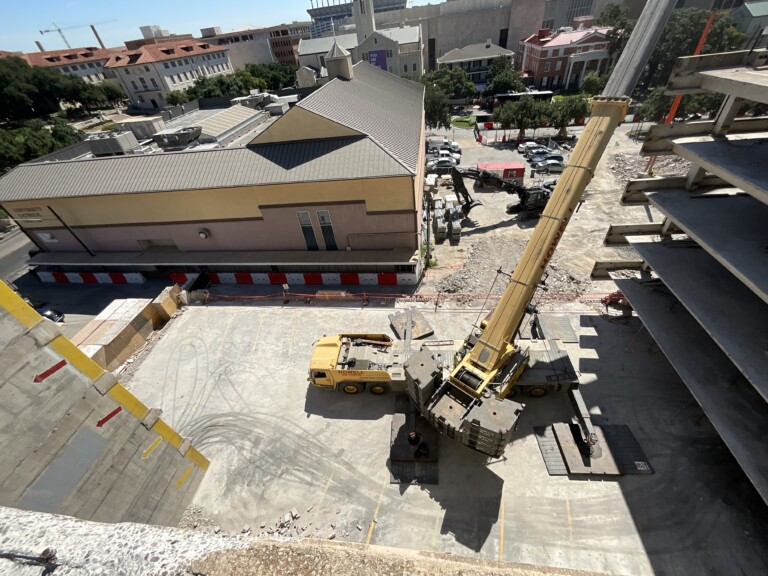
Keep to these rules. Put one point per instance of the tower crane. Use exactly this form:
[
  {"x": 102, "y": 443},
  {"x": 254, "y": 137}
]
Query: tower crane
[{"x": 60, "y": 30}]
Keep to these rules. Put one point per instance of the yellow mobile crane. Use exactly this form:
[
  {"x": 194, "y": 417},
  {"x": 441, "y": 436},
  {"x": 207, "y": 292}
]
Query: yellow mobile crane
[{"x": 470, "y": 403}]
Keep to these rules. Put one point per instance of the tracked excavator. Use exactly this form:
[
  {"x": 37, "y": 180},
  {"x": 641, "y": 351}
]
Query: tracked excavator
[
  {"x": 470, "y": 399},
  {"x": 531, "y": 200}
]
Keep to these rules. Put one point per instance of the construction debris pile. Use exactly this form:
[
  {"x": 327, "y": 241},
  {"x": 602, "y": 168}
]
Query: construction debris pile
[
  {"x": 481, "y": 269},
  {"x": 627, "y": 166}
]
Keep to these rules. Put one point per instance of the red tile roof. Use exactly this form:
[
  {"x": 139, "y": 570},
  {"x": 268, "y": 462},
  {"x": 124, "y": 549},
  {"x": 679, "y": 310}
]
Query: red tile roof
[
  {"x": 565, "y": 38},
  {"x": 164, "y": 51},
  {"x": 68, "y": 56}
]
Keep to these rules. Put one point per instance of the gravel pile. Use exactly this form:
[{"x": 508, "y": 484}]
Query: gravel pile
[{"x": 628, "y": 166}]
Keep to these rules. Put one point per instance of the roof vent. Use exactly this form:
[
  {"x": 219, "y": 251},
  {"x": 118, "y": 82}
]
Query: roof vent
[{"x": 488, "y": 43}]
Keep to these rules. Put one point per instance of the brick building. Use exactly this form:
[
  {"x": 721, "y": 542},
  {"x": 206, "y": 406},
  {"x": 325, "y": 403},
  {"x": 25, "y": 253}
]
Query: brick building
[{"x": 559, "y": 59}]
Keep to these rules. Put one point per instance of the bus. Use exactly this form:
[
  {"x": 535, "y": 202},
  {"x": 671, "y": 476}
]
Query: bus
[{"x": 515, "y": 96}]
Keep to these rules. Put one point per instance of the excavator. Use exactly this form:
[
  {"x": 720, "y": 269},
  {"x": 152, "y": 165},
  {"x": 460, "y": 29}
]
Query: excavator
[
  {"x": 532, "y": 200},
  {"x": 470, "y": 399}
]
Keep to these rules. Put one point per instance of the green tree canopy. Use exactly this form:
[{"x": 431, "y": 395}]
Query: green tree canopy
[
  {"x": 592, "y": 83},
  {"x": 656, "y": 105},
  {"x": 680, "y": 37},
  {"x": 436, "y": 114},
  {"x": 523, "y": 114},
  {"x": 565, "y": 110},
  {"x": 113, "y": 92},
  {"x": 34, "y": 139},
  {"x": 454, "y": 82},
  {"x": 506, "y": 82},
  {"x": 616, "y": 16}
]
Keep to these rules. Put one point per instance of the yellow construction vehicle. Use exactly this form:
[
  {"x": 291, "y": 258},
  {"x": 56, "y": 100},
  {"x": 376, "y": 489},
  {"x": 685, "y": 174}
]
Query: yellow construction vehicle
[{"x": 470, "y": 401}]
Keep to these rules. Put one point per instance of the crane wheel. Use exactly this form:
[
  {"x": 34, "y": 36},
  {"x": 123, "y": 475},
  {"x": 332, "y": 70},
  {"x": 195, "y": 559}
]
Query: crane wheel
[
  {"x": 536, "y": 391},
  {"x": 353, "y": 387},
  {"x": 378, "y": 388}
]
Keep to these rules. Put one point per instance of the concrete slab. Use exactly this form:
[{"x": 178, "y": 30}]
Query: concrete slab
[
  {"x": 735, "y": 409},
  {"x": 726, "y": 309},
  {"x": 65, "y": 444},
  {"x": 234, "y": 378},
  {"x": 731, "y": 228},
  {"x": 738, "y": 159}
]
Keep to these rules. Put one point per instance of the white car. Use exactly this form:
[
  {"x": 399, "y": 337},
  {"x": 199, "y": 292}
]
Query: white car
[
  {"x": 452, "y": 145},
  {"x": 440, "y": 166},
  {"x": 448, "y": 154}
]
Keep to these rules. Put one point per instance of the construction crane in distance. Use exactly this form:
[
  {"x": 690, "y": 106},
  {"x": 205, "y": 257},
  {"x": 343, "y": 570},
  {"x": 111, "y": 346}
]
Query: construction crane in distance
[{"x": 57, "y": 28}]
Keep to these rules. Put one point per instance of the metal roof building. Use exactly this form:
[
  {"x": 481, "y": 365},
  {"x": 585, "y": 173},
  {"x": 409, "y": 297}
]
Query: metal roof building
[{"x": 341, "y": 171}]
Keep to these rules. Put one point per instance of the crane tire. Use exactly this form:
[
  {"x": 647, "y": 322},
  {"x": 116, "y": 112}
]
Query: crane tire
[
  {"x": 378, "y": 388},
  {"x": 536, "y": 391},
  {"x": 352, "y": 387}
]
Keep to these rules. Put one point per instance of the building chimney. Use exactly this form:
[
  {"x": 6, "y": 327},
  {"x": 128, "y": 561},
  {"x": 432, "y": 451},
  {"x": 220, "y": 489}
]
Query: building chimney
[
  {"x": 582, "y": 22},
  {"x": 488, "y": 43},
  {"x": 543, "y": 33}
]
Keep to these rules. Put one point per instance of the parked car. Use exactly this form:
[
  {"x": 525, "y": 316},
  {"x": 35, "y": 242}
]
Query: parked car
[
  {"x": 451, "y": 144},
  {"x": 538, "y": 149},
  {"x": 440, "y": 166},
  {"x": 448, "y": 153},
  {"x": 550, "y": 184},
  {"x": 524, "y": 144},
  {"x": 542, "y": 157},
  {"x": 549, "y": 166},
  {"x": 53, "y": 315}
]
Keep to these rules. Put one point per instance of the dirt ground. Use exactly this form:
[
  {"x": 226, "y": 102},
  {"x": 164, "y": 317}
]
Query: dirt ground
[{"x": 491, "y": 239}]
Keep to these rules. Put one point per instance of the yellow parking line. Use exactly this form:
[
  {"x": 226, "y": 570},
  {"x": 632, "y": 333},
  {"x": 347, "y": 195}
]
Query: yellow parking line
[{"x": 376, "y": 514}]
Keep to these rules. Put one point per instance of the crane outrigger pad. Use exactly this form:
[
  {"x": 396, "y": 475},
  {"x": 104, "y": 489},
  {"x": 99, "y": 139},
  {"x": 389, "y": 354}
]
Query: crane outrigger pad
[
  {"x": 413, "y": 446},
  {"x": 420, "y": 328},
  {"x": 564, "y": 455}
]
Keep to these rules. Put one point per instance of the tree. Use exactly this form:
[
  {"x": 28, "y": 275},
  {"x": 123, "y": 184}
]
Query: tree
[
  {"x": 592, "y": 83},
  {"x": 565, "y": 110},
  {"x": 522, "y": 115},
  {"x": 274, "y": 74},
  {"x": 34, "y": 139},
  {"x": 617, "y": 17},
  {"x": 177, "y": 97},
  {"x": 680, "y": 37},
  {"x": 113, "y": 92},
  {"x": 454, "y": 82},
  {"x": 656, "y": 105},
  {"x": 506, "y": 82},
  {"x": 436, "y": 114}
]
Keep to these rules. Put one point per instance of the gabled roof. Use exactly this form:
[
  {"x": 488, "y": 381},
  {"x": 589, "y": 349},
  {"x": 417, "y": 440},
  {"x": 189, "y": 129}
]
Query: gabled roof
[
  {"x": 164, "y": 51},
  {"x": 290, "y": 162},
  {"x": 336, "y": 51},
  {"x": 566, "y": 38},
  {"x": 66, "y": 57},
  {"x": 386, "y": 108},
  {"x": 474, "y": 52},
  {"x": 323, "y": 45}
]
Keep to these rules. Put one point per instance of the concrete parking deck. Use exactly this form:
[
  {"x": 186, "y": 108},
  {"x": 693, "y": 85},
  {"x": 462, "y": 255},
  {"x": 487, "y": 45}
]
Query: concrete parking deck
[
  {"x": 74, "y": 440},
  {"x": 234, "y": 377}
]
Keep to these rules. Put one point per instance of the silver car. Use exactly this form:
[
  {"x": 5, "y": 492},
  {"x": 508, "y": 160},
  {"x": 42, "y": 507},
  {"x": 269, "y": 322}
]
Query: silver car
[{"x": 549, "y": 166}]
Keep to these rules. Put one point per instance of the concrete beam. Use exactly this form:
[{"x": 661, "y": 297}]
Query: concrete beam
[
  {"x": 726, "y": 309},
  {"x": 733, "y": 407},
  {"x": 636, "y": 190},
  {"x": 736, "y": 71},
  {"x": 658, "y": 142},
  {"x": 730, "y": 227}
]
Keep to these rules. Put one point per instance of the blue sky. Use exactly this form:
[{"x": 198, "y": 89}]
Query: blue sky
[{"x": 22, "y": 21}]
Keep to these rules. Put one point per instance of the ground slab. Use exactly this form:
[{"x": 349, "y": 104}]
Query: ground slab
[{"x": 234, "y": 378}]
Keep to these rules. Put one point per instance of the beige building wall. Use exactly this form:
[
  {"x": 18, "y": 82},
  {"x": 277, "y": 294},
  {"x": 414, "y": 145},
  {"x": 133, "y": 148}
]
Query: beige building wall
[{"x": 366, "y": 214}]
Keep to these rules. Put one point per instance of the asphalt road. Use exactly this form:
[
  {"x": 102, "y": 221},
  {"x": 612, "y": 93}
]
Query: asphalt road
[{"x": 14, "y": 253}]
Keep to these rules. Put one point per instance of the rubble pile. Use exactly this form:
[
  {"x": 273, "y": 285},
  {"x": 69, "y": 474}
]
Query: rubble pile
[{"x": 625, "y": 167}]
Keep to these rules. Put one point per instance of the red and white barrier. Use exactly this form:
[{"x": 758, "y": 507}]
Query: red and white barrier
[
  {"x": 316, "y": 278},
  {"x": 91, "y": 277}
]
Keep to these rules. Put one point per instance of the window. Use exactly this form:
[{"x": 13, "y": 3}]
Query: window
[
  {"x": 173, "y": 79},
  {"x": 544, "y": 82},
  {"x": 146, "y": 68},
  {"x": 165, "y": 64},
  {"x": 306, "y": 229},
  {"x": 153, "y": 82},
  {"x": 324, "y": 217},
  {"x": 414, "y": 66},
  {"x": 389, "y": 53},
  {"x": 548, "y": 24},
  {"x": 558, "y": 65},
  {"x": 141, "y": 98},
  {"x": 135, "y": 86},
  {"x": 90, "y": 65},
  {"x": 555, "y": 52},
  {"x": 127, "y": 72},
  {"x": 546, "y": 67},
  {"x": 405, "y": 67}
]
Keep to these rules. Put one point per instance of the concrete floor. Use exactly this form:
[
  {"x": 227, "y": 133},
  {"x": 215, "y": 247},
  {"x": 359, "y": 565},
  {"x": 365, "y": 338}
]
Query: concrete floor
[{"x": 233, "y": 378}]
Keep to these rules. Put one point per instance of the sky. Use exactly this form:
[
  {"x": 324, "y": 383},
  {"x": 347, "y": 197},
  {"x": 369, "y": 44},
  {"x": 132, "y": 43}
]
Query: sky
[{"x": 116, "y": 22}]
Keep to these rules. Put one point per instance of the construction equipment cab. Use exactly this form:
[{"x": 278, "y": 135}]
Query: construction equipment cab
[{"x": 353, "y": 363}]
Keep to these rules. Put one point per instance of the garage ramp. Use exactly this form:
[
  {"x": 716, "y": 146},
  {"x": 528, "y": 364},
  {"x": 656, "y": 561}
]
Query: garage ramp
[{"x": 75, "y": 441}]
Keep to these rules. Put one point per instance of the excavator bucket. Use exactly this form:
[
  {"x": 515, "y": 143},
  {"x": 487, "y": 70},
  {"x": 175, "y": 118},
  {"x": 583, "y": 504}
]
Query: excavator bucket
[{"x": 467, "y": 206}]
